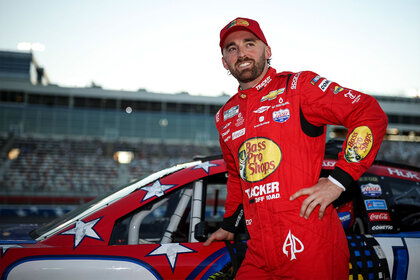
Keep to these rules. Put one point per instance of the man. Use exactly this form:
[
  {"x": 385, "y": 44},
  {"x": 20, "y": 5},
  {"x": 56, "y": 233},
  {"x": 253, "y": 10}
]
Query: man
[{"x": 272, "y": 135}]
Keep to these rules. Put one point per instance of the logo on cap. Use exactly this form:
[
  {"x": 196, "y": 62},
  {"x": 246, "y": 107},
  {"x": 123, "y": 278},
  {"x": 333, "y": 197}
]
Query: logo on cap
[{"x": 237, "y": 22}]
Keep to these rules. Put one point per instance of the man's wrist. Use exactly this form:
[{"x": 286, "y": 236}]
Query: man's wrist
[
  {"x": 337, "y": 183},
  {"x": 231, "y": 223},
  {"x": 341, "y": 177}
]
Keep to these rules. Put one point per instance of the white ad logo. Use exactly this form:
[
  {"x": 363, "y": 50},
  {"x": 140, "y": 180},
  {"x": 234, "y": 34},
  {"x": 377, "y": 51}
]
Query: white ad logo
[{"x": 291, "y": 242}]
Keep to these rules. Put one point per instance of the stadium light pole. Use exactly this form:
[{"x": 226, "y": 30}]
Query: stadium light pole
[{"x": 124, "y": 159}]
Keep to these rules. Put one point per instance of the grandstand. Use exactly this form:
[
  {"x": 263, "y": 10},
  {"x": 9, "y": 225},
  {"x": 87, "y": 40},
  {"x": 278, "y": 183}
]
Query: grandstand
[{"x": 58, "y": 144}]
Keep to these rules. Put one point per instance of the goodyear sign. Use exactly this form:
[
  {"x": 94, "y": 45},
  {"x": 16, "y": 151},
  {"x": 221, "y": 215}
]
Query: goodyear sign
[{"x": 258, "y": 158}]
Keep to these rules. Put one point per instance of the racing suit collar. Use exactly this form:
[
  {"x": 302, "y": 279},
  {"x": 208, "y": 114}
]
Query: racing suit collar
[{"x": 269, "y": 76}]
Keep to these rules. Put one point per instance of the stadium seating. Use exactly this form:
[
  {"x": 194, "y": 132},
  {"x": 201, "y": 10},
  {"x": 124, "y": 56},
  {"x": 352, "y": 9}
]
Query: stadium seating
[{"x": 69, "y": 167}]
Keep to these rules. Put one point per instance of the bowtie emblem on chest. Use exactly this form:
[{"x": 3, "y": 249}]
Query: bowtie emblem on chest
[{"x": 272, "y": 95}]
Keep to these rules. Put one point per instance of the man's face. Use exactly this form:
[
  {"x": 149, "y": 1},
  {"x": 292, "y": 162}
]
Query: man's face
[{"x": 245, "y": 56}]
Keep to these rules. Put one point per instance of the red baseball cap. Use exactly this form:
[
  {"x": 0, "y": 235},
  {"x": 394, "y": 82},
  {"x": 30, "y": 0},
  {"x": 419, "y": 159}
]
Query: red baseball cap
[{"x": 241, "y": 24}]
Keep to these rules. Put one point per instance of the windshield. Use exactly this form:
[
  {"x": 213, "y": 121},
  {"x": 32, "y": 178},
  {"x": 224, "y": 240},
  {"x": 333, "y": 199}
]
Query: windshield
[
  {"x": 74, "y": 213},
  {"x": 102, "y": 201}
]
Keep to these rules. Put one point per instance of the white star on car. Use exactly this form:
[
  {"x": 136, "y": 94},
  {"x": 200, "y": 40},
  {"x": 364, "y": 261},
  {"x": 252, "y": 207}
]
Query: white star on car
[
  {"x": 82, "y": 230},
  {"x": 171, "y": 251},
  {"x": 157, "y": 189},
  {"x": 4, "y": 247},
  {"x": 205, "y": 166}
]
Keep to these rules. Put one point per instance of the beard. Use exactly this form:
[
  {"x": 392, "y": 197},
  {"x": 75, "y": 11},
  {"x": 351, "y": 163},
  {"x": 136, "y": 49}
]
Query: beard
[{"x": 248, "y": 75}]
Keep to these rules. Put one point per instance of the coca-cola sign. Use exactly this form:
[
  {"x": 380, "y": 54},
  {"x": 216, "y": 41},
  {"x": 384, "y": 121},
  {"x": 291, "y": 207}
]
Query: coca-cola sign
[{"x": 379, "y": 216}]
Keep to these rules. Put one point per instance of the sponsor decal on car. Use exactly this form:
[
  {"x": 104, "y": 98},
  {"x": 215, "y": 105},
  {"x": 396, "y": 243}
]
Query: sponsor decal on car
[
  {"x": 371, "y": 190},
  {"x": 379, "y": 216},
  {"x": 231, "y": 112},
  {"x": 359, "y": 144},
  {"x": 272, "y": 95},
  {"x": 403, "y": 174},
  {"x": 382, "y": 227},
  {"x": 328, "y": 163},
  {"x": 379, "y": 252},
  {"x": 375, "y": 204},
  {"x": 281, "y": 116},
  {"x": 258, "y": 158},
  {"x": 368, "y": 179},
  {"x": 324, "y": 85},
  {"x": 345, "y": 219}
]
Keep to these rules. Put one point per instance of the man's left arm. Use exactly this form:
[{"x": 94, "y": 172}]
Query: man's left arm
[{"x": 325, "y": 102}]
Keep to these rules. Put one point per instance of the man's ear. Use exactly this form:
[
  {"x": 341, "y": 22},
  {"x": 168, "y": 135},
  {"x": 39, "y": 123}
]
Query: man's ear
[
  {"x": 224, "y": 63},
  {"x": 267, "y": 52}
]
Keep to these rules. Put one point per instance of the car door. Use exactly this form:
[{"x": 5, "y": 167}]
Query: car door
[{"x": 161, "y": 234}]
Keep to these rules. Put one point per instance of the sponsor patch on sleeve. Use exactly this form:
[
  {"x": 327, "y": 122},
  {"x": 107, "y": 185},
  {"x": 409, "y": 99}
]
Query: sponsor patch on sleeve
[
  {"x": 324, "y": 84},
  {"x": 359, "y": 144},
  {"x": 315, "y": 80},
  {"x": 338, "y": 89}
]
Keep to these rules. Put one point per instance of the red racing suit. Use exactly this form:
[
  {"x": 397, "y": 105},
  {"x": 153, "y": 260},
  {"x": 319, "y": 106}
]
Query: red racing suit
[{"x": 273, "y": 140}]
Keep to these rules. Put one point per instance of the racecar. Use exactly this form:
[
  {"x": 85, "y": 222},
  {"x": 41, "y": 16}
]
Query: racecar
[{"x": 153, "y": 228}]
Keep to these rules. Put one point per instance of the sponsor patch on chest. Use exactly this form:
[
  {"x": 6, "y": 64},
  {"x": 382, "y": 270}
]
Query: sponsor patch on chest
[
  {"x": 258, "y": 158},
  {"x": 281, "y": 116},
  {"x": 263, "y": 192},
  {"x": 231, "y": 112}
]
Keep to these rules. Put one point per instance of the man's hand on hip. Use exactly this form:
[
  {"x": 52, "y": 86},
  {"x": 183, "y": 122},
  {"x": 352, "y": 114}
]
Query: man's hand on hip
[{"x": 322, "y": 194}]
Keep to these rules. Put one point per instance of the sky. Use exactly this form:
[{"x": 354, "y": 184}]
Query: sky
[{"x": 172, "y": 46}]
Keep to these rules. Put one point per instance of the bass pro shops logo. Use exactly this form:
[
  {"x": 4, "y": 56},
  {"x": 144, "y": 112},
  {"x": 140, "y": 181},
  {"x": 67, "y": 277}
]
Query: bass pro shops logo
[
  {"x": 258, "y": 158},
  {"x": 359, "y": 144}
]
